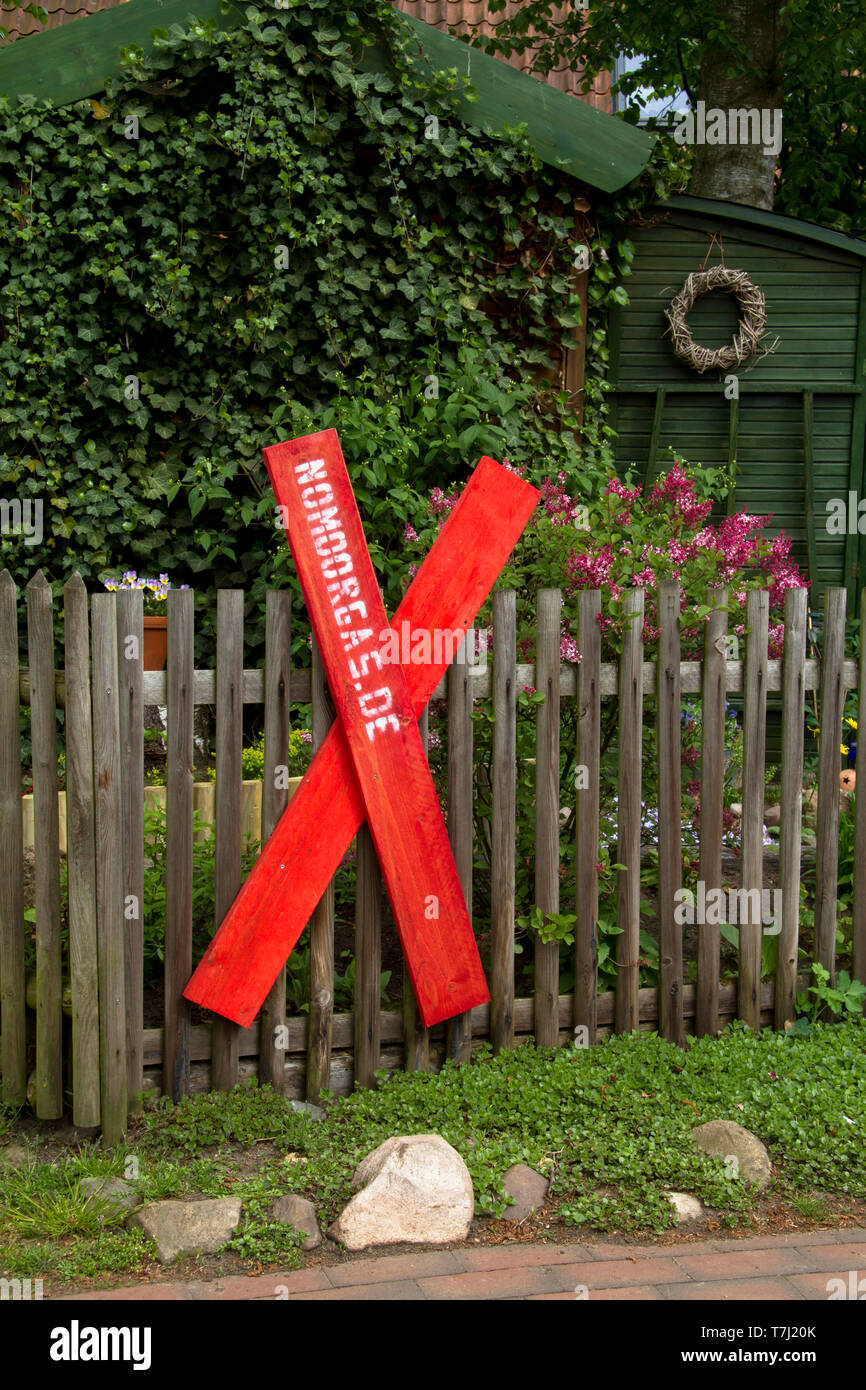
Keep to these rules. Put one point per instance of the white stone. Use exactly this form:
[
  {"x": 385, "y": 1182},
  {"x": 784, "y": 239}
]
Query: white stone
[
  {"x": 686, "y": 1207},
  {"x": 413, "y": 1188}
]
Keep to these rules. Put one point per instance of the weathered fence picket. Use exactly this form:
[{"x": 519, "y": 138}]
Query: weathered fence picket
[
  {"x": 81, "y": 860},
  {"x": 587, "y": 808},
  {"x": 791, "y": 802},
  {"x": 827, "y": 846},
  {"x": 178, "y": 858},
  {"x": 669, "y": 726},
  {"x": 275, "y": 796},
  {"x": 13, "y": 1039},
  {"x": 547, "y": 798},
  {"x": 754, "y": 741},
  {"x": 630, "y": 758},
  {"x": 859, "y": 924},
  {"x": 461, "y": 790},
  {"x": 130, "y": 644},
  {"x": 712, "y": 803},
  {"x": 43, "y": 732},
  {"x": 229, "y": 774},
  {"x": 108, "y": 836},
  {"x": 321, "y": 925},
  {"x": 503, "y": 829}
]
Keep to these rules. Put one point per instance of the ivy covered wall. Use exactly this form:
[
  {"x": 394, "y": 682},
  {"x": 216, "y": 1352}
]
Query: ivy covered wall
[{"x": 250, "y": 236}]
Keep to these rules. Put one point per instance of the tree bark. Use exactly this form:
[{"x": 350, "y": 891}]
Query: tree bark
[{"x": 742, "y": 171}]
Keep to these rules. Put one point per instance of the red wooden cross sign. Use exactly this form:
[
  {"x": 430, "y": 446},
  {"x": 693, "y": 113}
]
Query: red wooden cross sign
[{"x": 372, "y": 764}]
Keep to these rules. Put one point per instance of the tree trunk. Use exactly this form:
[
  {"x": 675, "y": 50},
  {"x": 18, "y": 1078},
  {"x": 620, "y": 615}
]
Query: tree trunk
[{"x": 742, "y": 169}]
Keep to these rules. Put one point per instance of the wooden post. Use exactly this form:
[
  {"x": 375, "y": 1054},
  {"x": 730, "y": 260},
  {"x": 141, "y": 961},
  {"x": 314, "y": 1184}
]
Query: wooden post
[
  {"x": 229, "y": 774},
  {"x": 321, "y": 925},
  {"x": 827, "y": 844},
  {"x": 671, "y": 1023},
  {"x": 461, "y": 787},
  {"x": 130, "y": 644},
  {"x": 504, "y": 818},
  {"x": 178, "y": 867},
  {"x": 713, "y": 691},
  {"x": 546, "y": 987},
  {"x": 587, "y": 811},
  {"x": 81, "y": 860},
  {"x": 43, "y": 717},
  {"x": 368, "y": 959},
  {"x": 110, "y": 923},
  {"x": 629, "y": 815},
  {"x": 278, "y": 677},
  {"x": 791, "y": 801},
  {"x": 859, "y": 923},
  {"x": 754, "y": 741},
  {"x": 416, "y": 1038},
  {"x": 13, "y": 1039}
]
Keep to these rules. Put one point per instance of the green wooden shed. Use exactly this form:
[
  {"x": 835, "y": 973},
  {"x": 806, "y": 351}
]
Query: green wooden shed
[{"x": 796, "y": 431}]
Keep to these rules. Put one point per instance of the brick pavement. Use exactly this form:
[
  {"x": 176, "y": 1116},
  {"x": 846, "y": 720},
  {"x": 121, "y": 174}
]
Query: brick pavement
[{"x": 788, "y": 1268}]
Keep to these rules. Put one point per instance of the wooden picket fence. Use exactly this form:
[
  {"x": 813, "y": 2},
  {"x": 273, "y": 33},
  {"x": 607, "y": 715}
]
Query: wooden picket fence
[{"x": 112, "y": 1060}]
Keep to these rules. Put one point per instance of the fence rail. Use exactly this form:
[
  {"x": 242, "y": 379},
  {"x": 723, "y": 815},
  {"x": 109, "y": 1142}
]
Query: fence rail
[{"x": 99, "y": 683}]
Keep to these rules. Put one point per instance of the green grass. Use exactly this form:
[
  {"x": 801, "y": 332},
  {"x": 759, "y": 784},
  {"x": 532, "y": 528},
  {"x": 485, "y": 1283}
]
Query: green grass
[{"x": 610, "y": 1125}]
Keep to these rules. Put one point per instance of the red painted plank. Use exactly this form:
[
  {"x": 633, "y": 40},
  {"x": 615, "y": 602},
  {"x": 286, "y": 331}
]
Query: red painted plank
[
  {"x": 345, "y": 607},
  {"x": 278, "y": 897}
]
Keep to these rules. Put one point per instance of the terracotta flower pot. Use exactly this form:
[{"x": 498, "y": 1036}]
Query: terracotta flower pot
[{"x": 155, "y": 642}]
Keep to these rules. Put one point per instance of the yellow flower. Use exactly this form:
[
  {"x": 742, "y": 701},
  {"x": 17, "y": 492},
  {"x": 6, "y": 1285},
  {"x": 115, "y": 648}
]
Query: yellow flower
[
  {"x": 844, "y": 748},
  {"x": 852, "y": 723}
]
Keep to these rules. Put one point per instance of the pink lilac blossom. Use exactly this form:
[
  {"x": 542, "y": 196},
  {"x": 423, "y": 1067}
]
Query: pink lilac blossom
[{"x": 568, "y": 649}]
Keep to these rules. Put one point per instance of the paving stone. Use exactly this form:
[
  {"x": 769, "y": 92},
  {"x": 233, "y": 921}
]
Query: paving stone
[
  {"x": 740, "y": 1264},
  {"x": 731, "y": 1290},
  {"x": 393, "y": 1267}
]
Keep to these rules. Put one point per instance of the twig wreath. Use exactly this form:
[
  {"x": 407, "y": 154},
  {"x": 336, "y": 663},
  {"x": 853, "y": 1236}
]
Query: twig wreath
[{"x": 750, "y": 331}]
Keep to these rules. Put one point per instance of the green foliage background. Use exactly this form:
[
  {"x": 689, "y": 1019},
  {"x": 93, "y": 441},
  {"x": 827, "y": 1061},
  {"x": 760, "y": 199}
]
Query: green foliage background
[{"x": 163, "y": 258}]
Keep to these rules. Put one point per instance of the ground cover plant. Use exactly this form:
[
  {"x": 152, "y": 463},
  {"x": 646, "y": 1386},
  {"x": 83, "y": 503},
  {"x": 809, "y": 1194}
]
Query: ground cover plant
[{"x": 609, "y": 1125}]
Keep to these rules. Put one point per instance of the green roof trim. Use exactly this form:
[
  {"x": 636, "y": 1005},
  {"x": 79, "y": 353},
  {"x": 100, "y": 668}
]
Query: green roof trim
[
  {"x": 777, "y": 222},
  {"x": 564, "y": 131},
  {"x": 76, "y": 60}
]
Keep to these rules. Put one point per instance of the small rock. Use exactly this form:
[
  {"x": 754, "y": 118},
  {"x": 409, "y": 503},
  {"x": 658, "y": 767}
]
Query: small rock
[
  {"x": 529, "y": 1190},
  {"x": 121, "y": 1195},
  {"x": 297, "y": 1212},
  {"x": 304, "y": 1107},
  {"x": 414, "y": 1188},
  {"x": 16, "y": 1156},
  {"x": 725, "y": 1139},
  {"x": 184, "y": 1228},
  {"x": 686, "y": 1207}
]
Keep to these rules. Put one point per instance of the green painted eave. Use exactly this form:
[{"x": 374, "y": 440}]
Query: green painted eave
[
  {"x": 565, "y": 132},
  {"x": 770, "y": 221},
  {"x": 76, "y": 60}
]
